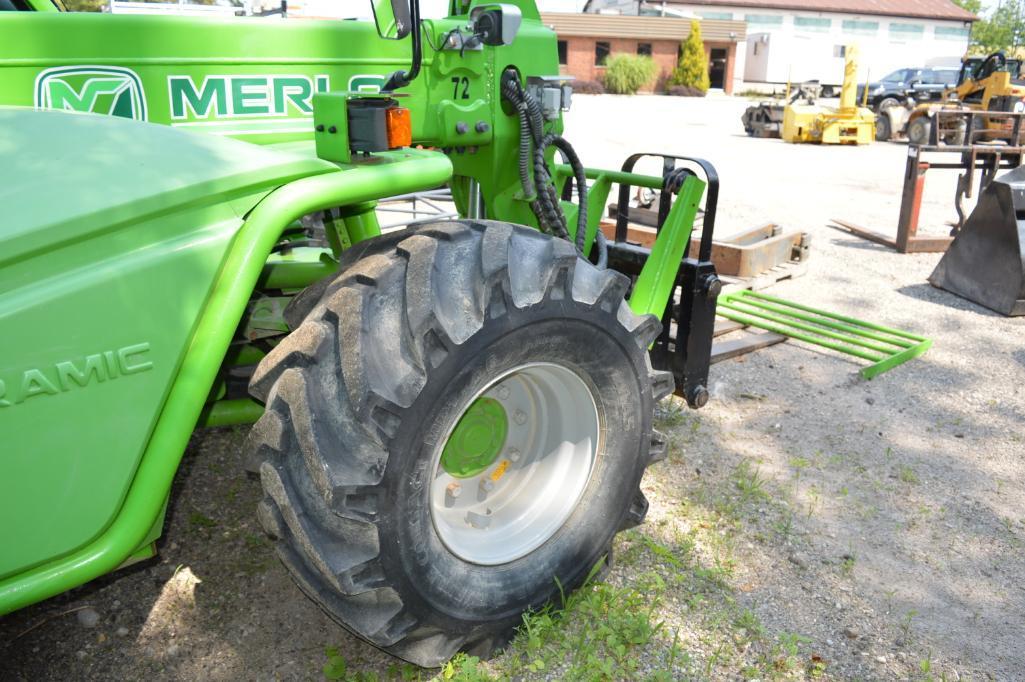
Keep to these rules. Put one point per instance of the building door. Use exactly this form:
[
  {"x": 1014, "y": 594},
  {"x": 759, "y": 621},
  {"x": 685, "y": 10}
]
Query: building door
[{"x": 717, "y": 67}]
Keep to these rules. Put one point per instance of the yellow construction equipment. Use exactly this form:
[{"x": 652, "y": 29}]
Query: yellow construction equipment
[
  {"x": 846, "y": 124},
  {"x": 990, "y": 84}
]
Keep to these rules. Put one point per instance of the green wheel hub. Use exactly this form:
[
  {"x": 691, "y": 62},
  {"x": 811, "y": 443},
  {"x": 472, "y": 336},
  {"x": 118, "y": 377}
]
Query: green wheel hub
[{"x": 477, "y": 439}]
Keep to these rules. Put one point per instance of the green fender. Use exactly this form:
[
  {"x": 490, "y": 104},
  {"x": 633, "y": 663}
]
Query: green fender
[{"x": 127, "y": 255}]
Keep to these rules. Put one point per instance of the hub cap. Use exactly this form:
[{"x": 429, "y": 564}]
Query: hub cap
[{"x": 515, "y": 464}]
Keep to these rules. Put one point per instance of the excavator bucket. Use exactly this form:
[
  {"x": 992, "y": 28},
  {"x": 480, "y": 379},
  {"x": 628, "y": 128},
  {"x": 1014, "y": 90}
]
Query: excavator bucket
[{"x": 986, "y": 261}]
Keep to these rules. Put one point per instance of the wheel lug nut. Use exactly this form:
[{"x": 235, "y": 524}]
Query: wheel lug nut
[
  {"x": 520, "y": 417},
  {"x": 513, "y": 455},
  {"x": 486, "y": 485},
  {"x": 503, "y": 392},
  {"x": 453, "y": 490}
]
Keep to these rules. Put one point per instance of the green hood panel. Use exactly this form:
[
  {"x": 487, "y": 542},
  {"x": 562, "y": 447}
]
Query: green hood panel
[
  {"x": 113, "y": 234},
  {"x": 68, "y": 176}
]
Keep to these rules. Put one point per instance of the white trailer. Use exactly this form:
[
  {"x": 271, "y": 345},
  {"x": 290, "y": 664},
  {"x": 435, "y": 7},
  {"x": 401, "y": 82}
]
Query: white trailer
[{"x": 777, "y": 57}]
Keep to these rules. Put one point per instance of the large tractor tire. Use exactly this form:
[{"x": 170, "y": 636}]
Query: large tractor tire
[{"x": 458, "y": 426}]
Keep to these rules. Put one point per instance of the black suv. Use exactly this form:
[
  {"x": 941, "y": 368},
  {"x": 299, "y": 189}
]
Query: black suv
[{"x": 921, "y": 83}]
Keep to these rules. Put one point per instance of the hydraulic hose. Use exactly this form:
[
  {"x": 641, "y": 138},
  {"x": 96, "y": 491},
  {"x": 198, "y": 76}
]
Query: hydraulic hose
[
  {"x": 539, "y": 187},
  {"x": 401, "y": 79}
]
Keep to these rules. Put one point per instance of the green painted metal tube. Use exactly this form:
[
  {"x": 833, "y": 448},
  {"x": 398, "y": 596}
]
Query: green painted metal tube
[
  {"x": 409, "y": 171},
  {"x": 655, "y": 283},
  {"x": 841, "y": 318},
  {"x": 230, "y": 412},
  {"x": 295, "y": 275},
  {"x": 787, "y": 330},
  {"x": 760, "y": 311},
  {"x": 240, "y": 355},
  {"x": 895, "y": 359},
  {"x": 635, "y": 179},
  {"x": 42, "y": 5},
  {"x": 361, "y": 221},
  {"x": 830, "y": 321}
]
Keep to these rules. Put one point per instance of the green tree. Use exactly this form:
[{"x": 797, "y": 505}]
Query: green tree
[
  {"x": 1003, "y": 28},
  {"x": 692, "y": 70}
]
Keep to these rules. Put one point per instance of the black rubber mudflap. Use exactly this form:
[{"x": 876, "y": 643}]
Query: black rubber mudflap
[{"x": 986, "y": 261}]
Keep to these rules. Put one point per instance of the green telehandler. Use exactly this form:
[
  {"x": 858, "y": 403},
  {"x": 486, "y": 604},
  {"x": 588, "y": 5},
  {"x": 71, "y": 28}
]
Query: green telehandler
[{"x": 451, "y": 419}]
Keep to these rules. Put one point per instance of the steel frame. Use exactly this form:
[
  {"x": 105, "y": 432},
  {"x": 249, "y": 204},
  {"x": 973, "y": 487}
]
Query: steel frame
[{"x": 1000, "y": 150}]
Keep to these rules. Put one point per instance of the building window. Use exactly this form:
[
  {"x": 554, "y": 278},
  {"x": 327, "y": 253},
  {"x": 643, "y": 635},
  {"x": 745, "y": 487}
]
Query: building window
[
  {"x": 644, "y": 49},
  {"x": 764, "y": 19},
  {"x": 812, "y": 24},
  {"x": 951, "y": 33},
  {"x": 864, "y": 28},
  {"x": 840, "y": 51},
  {"x": 906, "y": 31},
  {"x": 727, "y": 16},
  {"x": 562, "y": 52},
  {"x": 601, "y": 53}
]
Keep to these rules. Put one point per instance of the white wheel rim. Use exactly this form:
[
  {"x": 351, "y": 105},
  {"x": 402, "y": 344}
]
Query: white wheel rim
[{"x": 526, "y": 495}]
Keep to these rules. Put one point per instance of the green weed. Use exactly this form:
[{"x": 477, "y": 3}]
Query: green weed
[
  {"x": 907, "y": 475},
  {"x": 197, "y": 520}
]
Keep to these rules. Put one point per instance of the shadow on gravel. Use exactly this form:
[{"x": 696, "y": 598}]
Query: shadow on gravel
[
  {"x": 214, "y": 604},
  {"x": 929, "y": 293},
  {"x": 909, "y": 476}
]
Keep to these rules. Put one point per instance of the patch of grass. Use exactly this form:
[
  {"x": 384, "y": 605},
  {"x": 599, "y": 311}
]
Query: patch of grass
[
  {"x": 784, "y": 656},
  {"x": 670, "y": 413},
  {"x": 254, "y": 541},
  {"x": 198, "y": 520},
  {"x": 814, "y": 499},
  {"x": 799, "y": 464},
  {"x": 662, "y": 552},
  {"x": 784, "y": 525},
  {"x": 816, "y": 667},
  {"x": 847, "y": 565},
  {"x": 905, "y": 626},
  {"x": 748, "y": 622},
  {"x": 907, "y": 475},
  {"x": 606, "y": 631},
  {"x": 598, "y": 634},
  {"x": 463, "y": 668},
  {"x": 749, "y": 482},
  {"x": 336, "y": 666}
]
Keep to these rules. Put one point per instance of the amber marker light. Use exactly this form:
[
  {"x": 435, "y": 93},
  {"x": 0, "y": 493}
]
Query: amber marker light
[{"x": 400, "y": 127}]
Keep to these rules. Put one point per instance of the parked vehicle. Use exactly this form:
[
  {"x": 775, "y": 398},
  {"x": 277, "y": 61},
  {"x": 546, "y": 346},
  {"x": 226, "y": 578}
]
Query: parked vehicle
[
  {"x": 992, "y": 83},
  {"x": 922, "y": 84},
  {"x": 451, "y": 420}
]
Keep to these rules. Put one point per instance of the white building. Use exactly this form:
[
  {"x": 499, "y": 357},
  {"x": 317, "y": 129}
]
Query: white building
[{"x": 801, "y": 40}]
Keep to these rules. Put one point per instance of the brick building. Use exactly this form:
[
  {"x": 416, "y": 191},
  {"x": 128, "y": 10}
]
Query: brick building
[
  {"x": 586, "y": 40},
  {"x": 802, "y": 40}
]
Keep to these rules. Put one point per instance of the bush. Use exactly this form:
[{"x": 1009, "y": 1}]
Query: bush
[
  {"x": 588, "y": 88},
  {"x": 692, "y": 70},
  {"x": 625, "y": 74},
  {"x": 684, "y": 91}
]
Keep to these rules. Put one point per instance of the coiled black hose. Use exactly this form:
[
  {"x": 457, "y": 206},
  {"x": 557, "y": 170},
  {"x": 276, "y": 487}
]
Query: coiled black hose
[{"x": 539, "y": 188}]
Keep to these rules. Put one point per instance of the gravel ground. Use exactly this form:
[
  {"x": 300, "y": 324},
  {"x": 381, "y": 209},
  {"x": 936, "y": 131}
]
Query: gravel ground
[{"x": 881, "y": 523}]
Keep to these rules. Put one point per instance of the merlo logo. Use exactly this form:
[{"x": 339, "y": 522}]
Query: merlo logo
[{"x": 110, "y": 90}]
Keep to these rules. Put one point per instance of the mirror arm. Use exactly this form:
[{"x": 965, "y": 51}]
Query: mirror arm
[{"x": 401, "y": 79}]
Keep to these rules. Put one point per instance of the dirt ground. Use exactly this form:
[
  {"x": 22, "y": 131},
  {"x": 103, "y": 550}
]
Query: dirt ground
[{"x": 863, "y": 529}]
